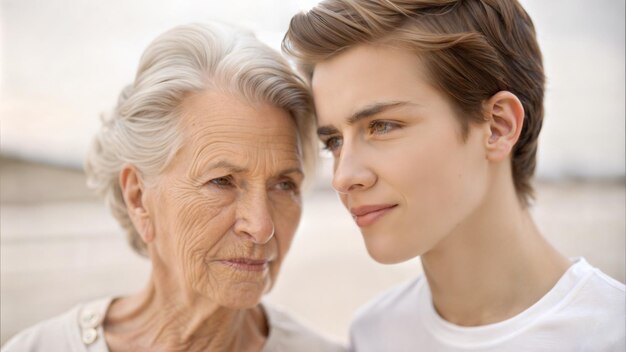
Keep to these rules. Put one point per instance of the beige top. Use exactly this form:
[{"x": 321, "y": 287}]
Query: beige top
[{"x": 80, "y": 330}]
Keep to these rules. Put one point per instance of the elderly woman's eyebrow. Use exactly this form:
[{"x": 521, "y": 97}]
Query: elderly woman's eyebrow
[
  {"x": 224, "y": 164},
  {"x": 232, "y": 168},
  {"x": 293, "y": 170}
]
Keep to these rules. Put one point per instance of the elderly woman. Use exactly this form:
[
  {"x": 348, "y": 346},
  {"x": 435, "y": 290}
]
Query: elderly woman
[{"x": 202, "y": 163}]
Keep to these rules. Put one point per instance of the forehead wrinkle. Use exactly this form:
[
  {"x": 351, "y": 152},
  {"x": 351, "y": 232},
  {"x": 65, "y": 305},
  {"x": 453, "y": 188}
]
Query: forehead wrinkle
[
  {"x": 252, "y": 159},
  {"x": 212, "y": 141},
  {"x": 231, "y": 138},
  {"x": 220, "y": 156},
  {"x": 273, "y": 163}
]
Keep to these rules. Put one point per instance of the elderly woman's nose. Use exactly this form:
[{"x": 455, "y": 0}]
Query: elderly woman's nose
[{"x": 254, "y": 219}]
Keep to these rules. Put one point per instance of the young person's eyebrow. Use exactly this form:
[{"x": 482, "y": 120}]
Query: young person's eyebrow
[
  {"x": 375, "y": 109},
  {"x": 364, "y": 113},
  {"x": 326, "y": 131}
]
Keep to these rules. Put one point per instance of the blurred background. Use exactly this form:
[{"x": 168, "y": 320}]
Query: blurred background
[{"x": 63, "y": 63}]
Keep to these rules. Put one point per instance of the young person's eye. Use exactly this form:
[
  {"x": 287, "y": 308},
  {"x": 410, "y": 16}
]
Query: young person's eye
[
  {"x": 222, "y": 182},
  {"x": 381, "y": 127},
  {"x": 333, "y": 144}
]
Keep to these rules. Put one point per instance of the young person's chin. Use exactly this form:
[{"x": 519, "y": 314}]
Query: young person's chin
[{"x": 385, "y": 249}]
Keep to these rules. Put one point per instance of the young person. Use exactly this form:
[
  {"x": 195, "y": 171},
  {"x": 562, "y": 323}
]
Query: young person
[{"x": 432, "y": 110}]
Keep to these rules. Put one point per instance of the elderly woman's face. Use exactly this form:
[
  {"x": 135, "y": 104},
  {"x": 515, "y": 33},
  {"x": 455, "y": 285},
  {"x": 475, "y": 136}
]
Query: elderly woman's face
[{"x": 226, "y": 209}]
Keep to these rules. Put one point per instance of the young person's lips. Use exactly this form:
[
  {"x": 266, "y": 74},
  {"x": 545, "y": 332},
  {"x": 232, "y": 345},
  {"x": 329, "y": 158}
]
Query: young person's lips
[{"x": 369, "y": 214}]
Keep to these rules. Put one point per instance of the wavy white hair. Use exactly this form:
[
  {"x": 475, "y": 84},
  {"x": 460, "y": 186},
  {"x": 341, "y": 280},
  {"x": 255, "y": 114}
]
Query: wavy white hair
[{"x": 143, "y": 128}]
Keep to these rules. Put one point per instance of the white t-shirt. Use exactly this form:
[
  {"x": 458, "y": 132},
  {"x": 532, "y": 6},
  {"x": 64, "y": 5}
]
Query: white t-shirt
[
  {"x": 584, "y": 311},
  {"x": 80, "y": 330}
]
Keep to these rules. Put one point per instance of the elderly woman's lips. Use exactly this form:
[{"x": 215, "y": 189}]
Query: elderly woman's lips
[{"x": 247, "y": 264}]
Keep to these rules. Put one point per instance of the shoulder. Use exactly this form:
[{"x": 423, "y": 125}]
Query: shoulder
[
  {"x": 289, "y": 334},
  {"x": 606, "y": 284},
  {"x": 65, "y": 332},
  {"x": 595, "y": 308},
  {"x": 389, "y": 320},
  {"x": 596, "y": 289},
  {"x": 49, "y": 334},
  {"x": 392, "y": 307}
]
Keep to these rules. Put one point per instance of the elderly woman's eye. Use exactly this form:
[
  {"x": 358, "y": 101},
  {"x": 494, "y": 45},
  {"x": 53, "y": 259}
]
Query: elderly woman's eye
[
  {"x": 225, "y": 181},
  {"x": 287, "y": 185}
]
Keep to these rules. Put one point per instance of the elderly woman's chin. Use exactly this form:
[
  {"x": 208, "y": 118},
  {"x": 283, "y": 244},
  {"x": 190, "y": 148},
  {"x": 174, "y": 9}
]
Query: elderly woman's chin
[
  {"x": 228, "y": 284},
  {"x": 243, "y": 296},
  {"x": 240, "y": 294}
]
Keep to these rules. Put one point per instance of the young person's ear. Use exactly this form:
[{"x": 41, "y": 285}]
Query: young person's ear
[
  {"x": 505, "y": 117},
  {"x": 133, "y": 191}
]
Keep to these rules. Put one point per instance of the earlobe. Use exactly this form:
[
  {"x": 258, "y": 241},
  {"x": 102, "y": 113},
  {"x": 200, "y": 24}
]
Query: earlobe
[
  {"x": 505, "y": 116},
  {"x": 133, "y": 191}
]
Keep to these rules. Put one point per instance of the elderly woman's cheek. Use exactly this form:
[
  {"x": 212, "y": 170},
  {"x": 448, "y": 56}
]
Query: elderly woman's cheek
[
  {"x": 195, "y": 214},
  {"x": 203, "y": 221}
]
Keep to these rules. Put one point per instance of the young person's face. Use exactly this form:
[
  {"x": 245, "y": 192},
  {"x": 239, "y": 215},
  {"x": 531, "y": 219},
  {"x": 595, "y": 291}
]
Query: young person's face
[{"x": 401, "y": 166}]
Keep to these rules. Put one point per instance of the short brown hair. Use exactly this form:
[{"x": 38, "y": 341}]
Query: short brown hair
[{"x": 472, "y": 49}]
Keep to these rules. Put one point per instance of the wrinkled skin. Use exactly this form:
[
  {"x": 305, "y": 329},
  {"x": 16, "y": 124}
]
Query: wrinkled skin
[
  {"x": 218, "y": 222},
  {"x": 231, "y": 192}
]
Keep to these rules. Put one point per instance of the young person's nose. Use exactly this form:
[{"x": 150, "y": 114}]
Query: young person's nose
[{"x": 351, "y": 172}]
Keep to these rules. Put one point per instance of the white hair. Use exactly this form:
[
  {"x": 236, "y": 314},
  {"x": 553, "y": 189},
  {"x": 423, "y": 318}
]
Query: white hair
[{"x": 143, "y": 128}]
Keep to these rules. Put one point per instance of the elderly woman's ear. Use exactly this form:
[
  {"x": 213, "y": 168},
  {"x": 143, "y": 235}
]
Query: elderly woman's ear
[{"x": 133, "y": 191}]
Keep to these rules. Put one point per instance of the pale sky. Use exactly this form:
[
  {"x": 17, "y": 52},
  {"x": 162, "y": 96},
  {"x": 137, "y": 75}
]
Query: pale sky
[{"x": 63, "y": 63}]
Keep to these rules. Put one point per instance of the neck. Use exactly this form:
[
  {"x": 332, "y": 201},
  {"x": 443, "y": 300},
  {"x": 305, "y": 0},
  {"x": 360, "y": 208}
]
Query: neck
[
  {"x": 157, "y": 318},
  {"x": 494, "y": 265}
]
